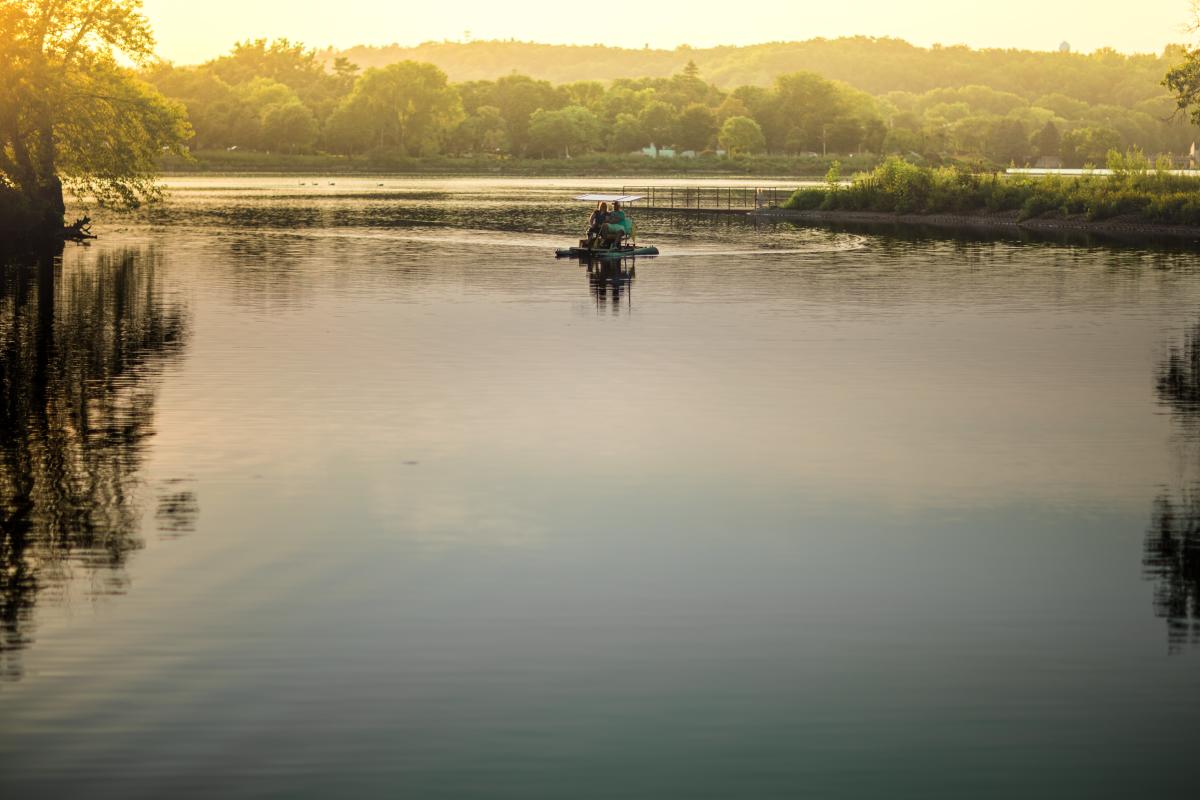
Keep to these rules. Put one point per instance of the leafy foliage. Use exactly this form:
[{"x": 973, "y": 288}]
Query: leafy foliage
[
  {"x": 839, "y": 96},
  {"x": 1135, "y": 189},
  {"x": 560, "y": 132},
  {"x": 742, "y": 135},
  {"x": 70, "y": 112},
  {"x": 406, "y": 106}
]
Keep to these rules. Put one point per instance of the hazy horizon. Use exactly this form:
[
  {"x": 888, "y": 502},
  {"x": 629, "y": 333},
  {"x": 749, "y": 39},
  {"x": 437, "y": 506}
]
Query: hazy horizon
[{"x": 185, "y": 37}]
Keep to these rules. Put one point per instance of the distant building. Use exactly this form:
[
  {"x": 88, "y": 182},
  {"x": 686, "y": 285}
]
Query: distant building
[
  {"x": 1049, "y": 162},
  {"x": 658, "y": 152},
  {"x": 1065, "y": 47}
]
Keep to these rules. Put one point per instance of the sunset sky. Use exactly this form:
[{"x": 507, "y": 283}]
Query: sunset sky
[{"x": 194, "y": 32}]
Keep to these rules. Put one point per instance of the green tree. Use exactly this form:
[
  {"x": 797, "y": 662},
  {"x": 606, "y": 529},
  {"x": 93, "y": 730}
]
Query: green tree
[
  {"x": 349, "y": 130},
  {"x": 1183, "y": 81},
  {"x": 257, "y": 98},
  {"x": 561, "y": 131},
  {"x": 69, "y": 110},
  {"x": 291, "y": 64},
  {"x": 1062, "y": 105},
  {"x": 518, "y": 97},
  {"x": 261, "y": 93},
  {"x": 687, "y": 88},
  {"x": 622, "y": 100},
  {"x": 659, "y": 122},
  {"x": 1047, "y": 141},
  {"x": 902, "y": 141},
  {"x": 627, "y": 134},
  {"x": 346, "y": 74},
  {"x": 843, "y": 135},
  {"x": 696, "y": 128},
  {"x": 483, "y": 132},
  {"x": 795, "y": 113},
  {"x": 907, "y": 121},
  {"x": 1007, "y": 142},
  {"x": 588, "y": 94},
  {"x": 290, "y": 127},
  {"x": 475, "y": 94},
  {"x": 1089, "y": 145},
  {"x": 742, "y": 135},
  {"x": 216, "y": 110},
  {"x": 406, "y": 106},
  {"x": 731, "y": 107},
  {"x": 970, "y": 134},
  {"x": 874, "y": 133}
]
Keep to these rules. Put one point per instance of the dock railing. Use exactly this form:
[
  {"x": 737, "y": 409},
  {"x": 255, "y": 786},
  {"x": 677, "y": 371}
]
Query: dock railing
[{"x": 709, "y": 198}]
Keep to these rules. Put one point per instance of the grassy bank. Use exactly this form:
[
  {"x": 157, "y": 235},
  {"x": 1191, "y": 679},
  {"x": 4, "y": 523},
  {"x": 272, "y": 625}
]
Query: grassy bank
[
  {"x": 581, "y": 166},
  {"x": 1136, "y": 191}
]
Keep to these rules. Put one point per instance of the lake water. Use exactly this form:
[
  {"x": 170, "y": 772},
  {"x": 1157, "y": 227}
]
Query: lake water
[{"x": 353, "y": 489}]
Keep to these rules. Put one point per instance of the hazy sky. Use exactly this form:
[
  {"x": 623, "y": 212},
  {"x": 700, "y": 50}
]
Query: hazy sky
[{"x": 195, "y": 31}]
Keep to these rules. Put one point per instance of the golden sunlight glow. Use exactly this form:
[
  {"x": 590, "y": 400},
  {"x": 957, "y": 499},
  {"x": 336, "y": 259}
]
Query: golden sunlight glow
[{"x": 194, "y": 32}]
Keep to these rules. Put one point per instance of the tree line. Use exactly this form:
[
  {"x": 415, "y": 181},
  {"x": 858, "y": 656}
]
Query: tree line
[
  {"x": 280, "y": 97},
  {"x": 874, "y": 65},
  {"x": 85, "y": 103}
]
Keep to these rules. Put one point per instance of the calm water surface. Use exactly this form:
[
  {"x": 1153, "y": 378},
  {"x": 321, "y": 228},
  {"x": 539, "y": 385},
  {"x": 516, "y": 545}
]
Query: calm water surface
[{"x": 353, "y": 489}]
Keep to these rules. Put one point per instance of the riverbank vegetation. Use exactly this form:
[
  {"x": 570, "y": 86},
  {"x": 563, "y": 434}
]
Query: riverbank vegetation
[
  {"x": 1136, "y": 190},
  {"x": 799, "y": 100},
  {"x": 586, "y": 165},
  {"x": 71, "y": 113},
  {"x": 83, "y": 101},
  {"x": 281, "y": 98}
]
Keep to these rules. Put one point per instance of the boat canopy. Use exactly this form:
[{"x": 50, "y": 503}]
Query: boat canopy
[{"x": 610, "y": 198}]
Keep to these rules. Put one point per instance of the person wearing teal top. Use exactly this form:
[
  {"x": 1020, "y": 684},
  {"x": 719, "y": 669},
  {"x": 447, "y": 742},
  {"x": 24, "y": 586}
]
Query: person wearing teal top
[{"x": 618, "y": 225}]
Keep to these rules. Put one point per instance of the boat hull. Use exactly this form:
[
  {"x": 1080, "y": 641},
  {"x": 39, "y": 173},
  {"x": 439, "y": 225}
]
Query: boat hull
[{"x": 612, "y": 252}]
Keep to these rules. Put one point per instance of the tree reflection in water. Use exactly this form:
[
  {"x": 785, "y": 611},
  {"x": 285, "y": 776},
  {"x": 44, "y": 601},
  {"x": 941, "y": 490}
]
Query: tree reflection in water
[
  {"x": 1172, "y": 545},
  {"x": 80, "y": 354}
]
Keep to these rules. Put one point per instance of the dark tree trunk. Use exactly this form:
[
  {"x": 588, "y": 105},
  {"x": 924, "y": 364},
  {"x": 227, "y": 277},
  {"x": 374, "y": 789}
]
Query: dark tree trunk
[
  {"x": 50, "y": 197},
  {"x": 50, "y": 188}
]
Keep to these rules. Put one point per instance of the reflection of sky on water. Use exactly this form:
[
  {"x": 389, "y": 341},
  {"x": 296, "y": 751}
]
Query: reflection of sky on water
[{"x": 859, "y": 500}]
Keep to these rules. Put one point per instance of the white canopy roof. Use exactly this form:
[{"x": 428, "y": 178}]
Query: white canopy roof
[{"x": 610, "y": 198}]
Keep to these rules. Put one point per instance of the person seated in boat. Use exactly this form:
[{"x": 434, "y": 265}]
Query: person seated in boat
[
  {"x": 617, "y": 225},
  {"x": 598, "y": 218}
]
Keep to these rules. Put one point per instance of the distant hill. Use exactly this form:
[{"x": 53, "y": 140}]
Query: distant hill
[{"x": 876, "y": 66}]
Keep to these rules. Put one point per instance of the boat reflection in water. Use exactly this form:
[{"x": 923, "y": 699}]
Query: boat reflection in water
[
  {"x": 609, "y": 279},
  {"x": 1172, "y": 546},
  {"x": 81, "y": 351}
]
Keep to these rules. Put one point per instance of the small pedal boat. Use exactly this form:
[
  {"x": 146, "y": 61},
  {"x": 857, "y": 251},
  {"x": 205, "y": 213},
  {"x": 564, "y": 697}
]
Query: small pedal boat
[{"x": 597, "y": 247}]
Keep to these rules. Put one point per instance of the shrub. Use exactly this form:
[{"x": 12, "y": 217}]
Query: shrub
[
  {"x": 1135, "y": 189},
  {"x": 806, "y": 199}
]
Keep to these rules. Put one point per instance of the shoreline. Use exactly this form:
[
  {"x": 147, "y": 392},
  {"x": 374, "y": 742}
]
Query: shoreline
[
  {"x": 210, "y": 162},
  {"x": 1007, "y": 222}
]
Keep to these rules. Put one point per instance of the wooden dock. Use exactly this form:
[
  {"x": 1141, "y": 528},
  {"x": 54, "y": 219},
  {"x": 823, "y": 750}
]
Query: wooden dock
[{"x": 708, "y": 198}]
